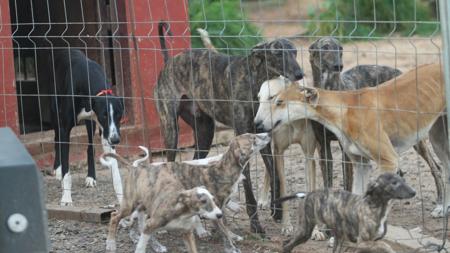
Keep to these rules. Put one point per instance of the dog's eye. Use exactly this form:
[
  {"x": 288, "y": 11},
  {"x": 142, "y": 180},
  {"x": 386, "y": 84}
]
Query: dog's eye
[
  {"x": 204, "y": 201},
  {"x": 278, "y": 102},
  {"x": 271, "y": 97}
]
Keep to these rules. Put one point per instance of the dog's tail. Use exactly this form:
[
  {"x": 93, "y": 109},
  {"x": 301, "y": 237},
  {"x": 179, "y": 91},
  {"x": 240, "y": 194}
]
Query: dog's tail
[
  {"x": 138, "y": 161},
  {"x": 163, "y": 25},
  {"x": 122, "y": 160},
  {"x": 298, "y": 195},
  {"x": 115, "y": 156},
  {"x": 205, "y": 39}
]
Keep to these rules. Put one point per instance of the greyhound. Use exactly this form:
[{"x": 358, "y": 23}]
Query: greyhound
[
  {"x": 201, "y": 86},
  {"x": 326, "y": 64},
  {"x": 354, "y": 218},
  {"x": 369, "y": 123}
]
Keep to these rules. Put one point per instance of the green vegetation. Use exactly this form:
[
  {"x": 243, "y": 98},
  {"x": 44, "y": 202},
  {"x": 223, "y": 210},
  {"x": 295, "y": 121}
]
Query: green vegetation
[
  {"x": 227, "y": 26},
  {"x": 392, "y": 16}
]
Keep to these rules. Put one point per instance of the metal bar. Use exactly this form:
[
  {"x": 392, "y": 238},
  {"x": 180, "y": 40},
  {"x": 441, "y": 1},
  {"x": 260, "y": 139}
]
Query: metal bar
[{"x": 444, "y": 9}]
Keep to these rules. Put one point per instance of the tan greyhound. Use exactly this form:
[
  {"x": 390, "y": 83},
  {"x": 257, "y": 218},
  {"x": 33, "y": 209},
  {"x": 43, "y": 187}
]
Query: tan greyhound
[{"x": 373, "y": 123}]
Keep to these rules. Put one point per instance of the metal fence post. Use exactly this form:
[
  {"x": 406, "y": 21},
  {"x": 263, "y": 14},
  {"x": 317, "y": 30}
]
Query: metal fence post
[{"x": 444, "y": 10}]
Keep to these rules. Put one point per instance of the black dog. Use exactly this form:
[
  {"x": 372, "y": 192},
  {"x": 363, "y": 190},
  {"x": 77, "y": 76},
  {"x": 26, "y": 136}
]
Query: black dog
[
  {"x": 80, "y": 92},
  {"x": 203, "y": 85}
]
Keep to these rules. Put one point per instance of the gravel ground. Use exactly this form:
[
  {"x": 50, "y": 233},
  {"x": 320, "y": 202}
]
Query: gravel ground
[{"x": 68, "y": 236}]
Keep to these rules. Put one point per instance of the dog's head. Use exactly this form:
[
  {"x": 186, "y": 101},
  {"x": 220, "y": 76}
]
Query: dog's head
[
  {"x": 109, "y": 111},
  {"x": 269, "y": 89},
  {"x": 201, "y": 202},
  {"x": 390, "y": 186},
  {"x": 246, "y": 145},
  {"x": 294, "y": 103},
  {"x": 279, "y": 58},
  {"x": 325, "y": 54}
]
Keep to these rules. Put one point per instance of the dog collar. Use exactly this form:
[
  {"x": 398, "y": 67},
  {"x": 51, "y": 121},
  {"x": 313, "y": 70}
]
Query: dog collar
[{"x": 104, "y": 92}]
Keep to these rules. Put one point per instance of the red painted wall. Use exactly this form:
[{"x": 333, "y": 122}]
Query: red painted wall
[
  {"x": 145, "y": 70},
  {"x": 8, "y": 99},
  {"x": 142, "y": 21}
]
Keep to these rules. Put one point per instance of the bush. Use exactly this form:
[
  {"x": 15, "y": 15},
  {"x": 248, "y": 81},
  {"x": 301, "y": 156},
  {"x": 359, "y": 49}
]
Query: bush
[
  {"x": 335, "y": 12},
  {"x": 234, "y": 36}
]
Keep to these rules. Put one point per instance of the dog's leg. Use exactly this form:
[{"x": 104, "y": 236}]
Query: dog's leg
[
  {"x": 374, "y": 247},
  {"x": 436, "y": 170},
  {"x": 264, "y": 198},
  {"x": 57, "y": 162},
  {"x": 361, "y": 175},
  {"x": 116, "y": 216},
  {"x": 66, "y": 183},
  {"x": 325, "y": 156},
  {"x": 278, "y": 152},
  {"x": 168, "y": 114},
  {"x": 302, "y": 234},
  {"x": 251, "y": 204},
  {"x": 347, "y": 171},
  {"x": 227, "y": 240},
  {"x": 115, "y": 173},
  {"x": 150, "y": 225},
  {"x": 439, "y": 140},
  {"x": 189, "y": 240},
  {"x": 276, "y": 210},
  {"x": 90, "y": 179},
  {"x": 201, "y": 231},
  {"x": 203, "y": 127}
]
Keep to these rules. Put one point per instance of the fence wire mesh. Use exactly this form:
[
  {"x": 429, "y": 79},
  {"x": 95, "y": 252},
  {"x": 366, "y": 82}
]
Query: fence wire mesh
[{"x": 219, "y": 103}]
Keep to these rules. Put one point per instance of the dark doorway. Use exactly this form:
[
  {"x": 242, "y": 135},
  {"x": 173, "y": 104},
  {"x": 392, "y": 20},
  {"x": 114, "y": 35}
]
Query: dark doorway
[{"x": 93, "y": 26}]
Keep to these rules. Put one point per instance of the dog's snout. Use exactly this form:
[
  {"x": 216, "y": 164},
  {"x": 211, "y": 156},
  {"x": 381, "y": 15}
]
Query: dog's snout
[
  {"x": 338, "y": 68},
  {"x": 114, "y": 140},
  {"x": 219, "y": 215},
  {"x": 259, "y": 126},
  {"x": 298, "y": 75}
]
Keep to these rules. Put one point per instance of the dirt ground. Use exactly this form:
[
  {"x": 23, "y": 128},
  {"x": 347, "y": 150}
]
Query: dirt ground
[
  {"x": 68, "y": 236},
  {"x": 403, "y": 53}
]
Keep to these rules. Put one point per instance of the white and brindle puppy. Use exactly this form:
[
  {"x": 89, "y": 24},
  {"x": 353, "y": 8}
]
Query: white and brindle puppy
[
  {"x": 376, "y": 123},
  {"x": 166, "y": 202},
  {"x": 354, "y": 218},
  {"x": 220, "y": 175}
]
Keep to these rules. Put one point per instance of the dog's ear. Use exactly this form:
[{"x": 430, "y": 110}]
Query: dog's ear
[
  {"x": 184, "y": 197},
  {"x": 258, "y": 53},
  {"x": 311, "y": 95},
  {"x": 371, "y": 187}
]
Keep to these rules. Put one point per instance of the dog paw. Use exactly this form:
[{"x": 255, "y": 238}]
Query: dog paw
[
  {"x": 287, "y": 229},
  {"x": 157, "y": 246},
  {"x": 232, "y": 250},
  {"x": 317, "y": 235},
  {"x": 264, "y": 202},
  {"x": 110, "y": 245},
  {"x": 235, "y": 237},
  {"x": 58, "y": 173},
  {"x": 64, "y": 203},
  {"x": 90, "y": 182},
  {"x": 125, "y": 223},
  {"x": 438, "y": 211},
  {"x": 134, "y": 235},
  {"x": 331, "y": 242},
  {"x": 204, "y": 234},
  {"x": 233, "y": 206}
]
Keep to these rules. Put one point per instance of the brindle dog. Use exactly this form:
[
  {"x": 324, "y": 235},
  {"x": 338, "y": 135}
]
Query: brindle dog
[
  {"x": 326, "y": 63},
  {"x": 354, "y": 218},
  {"x": 203, "y": 86}
]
